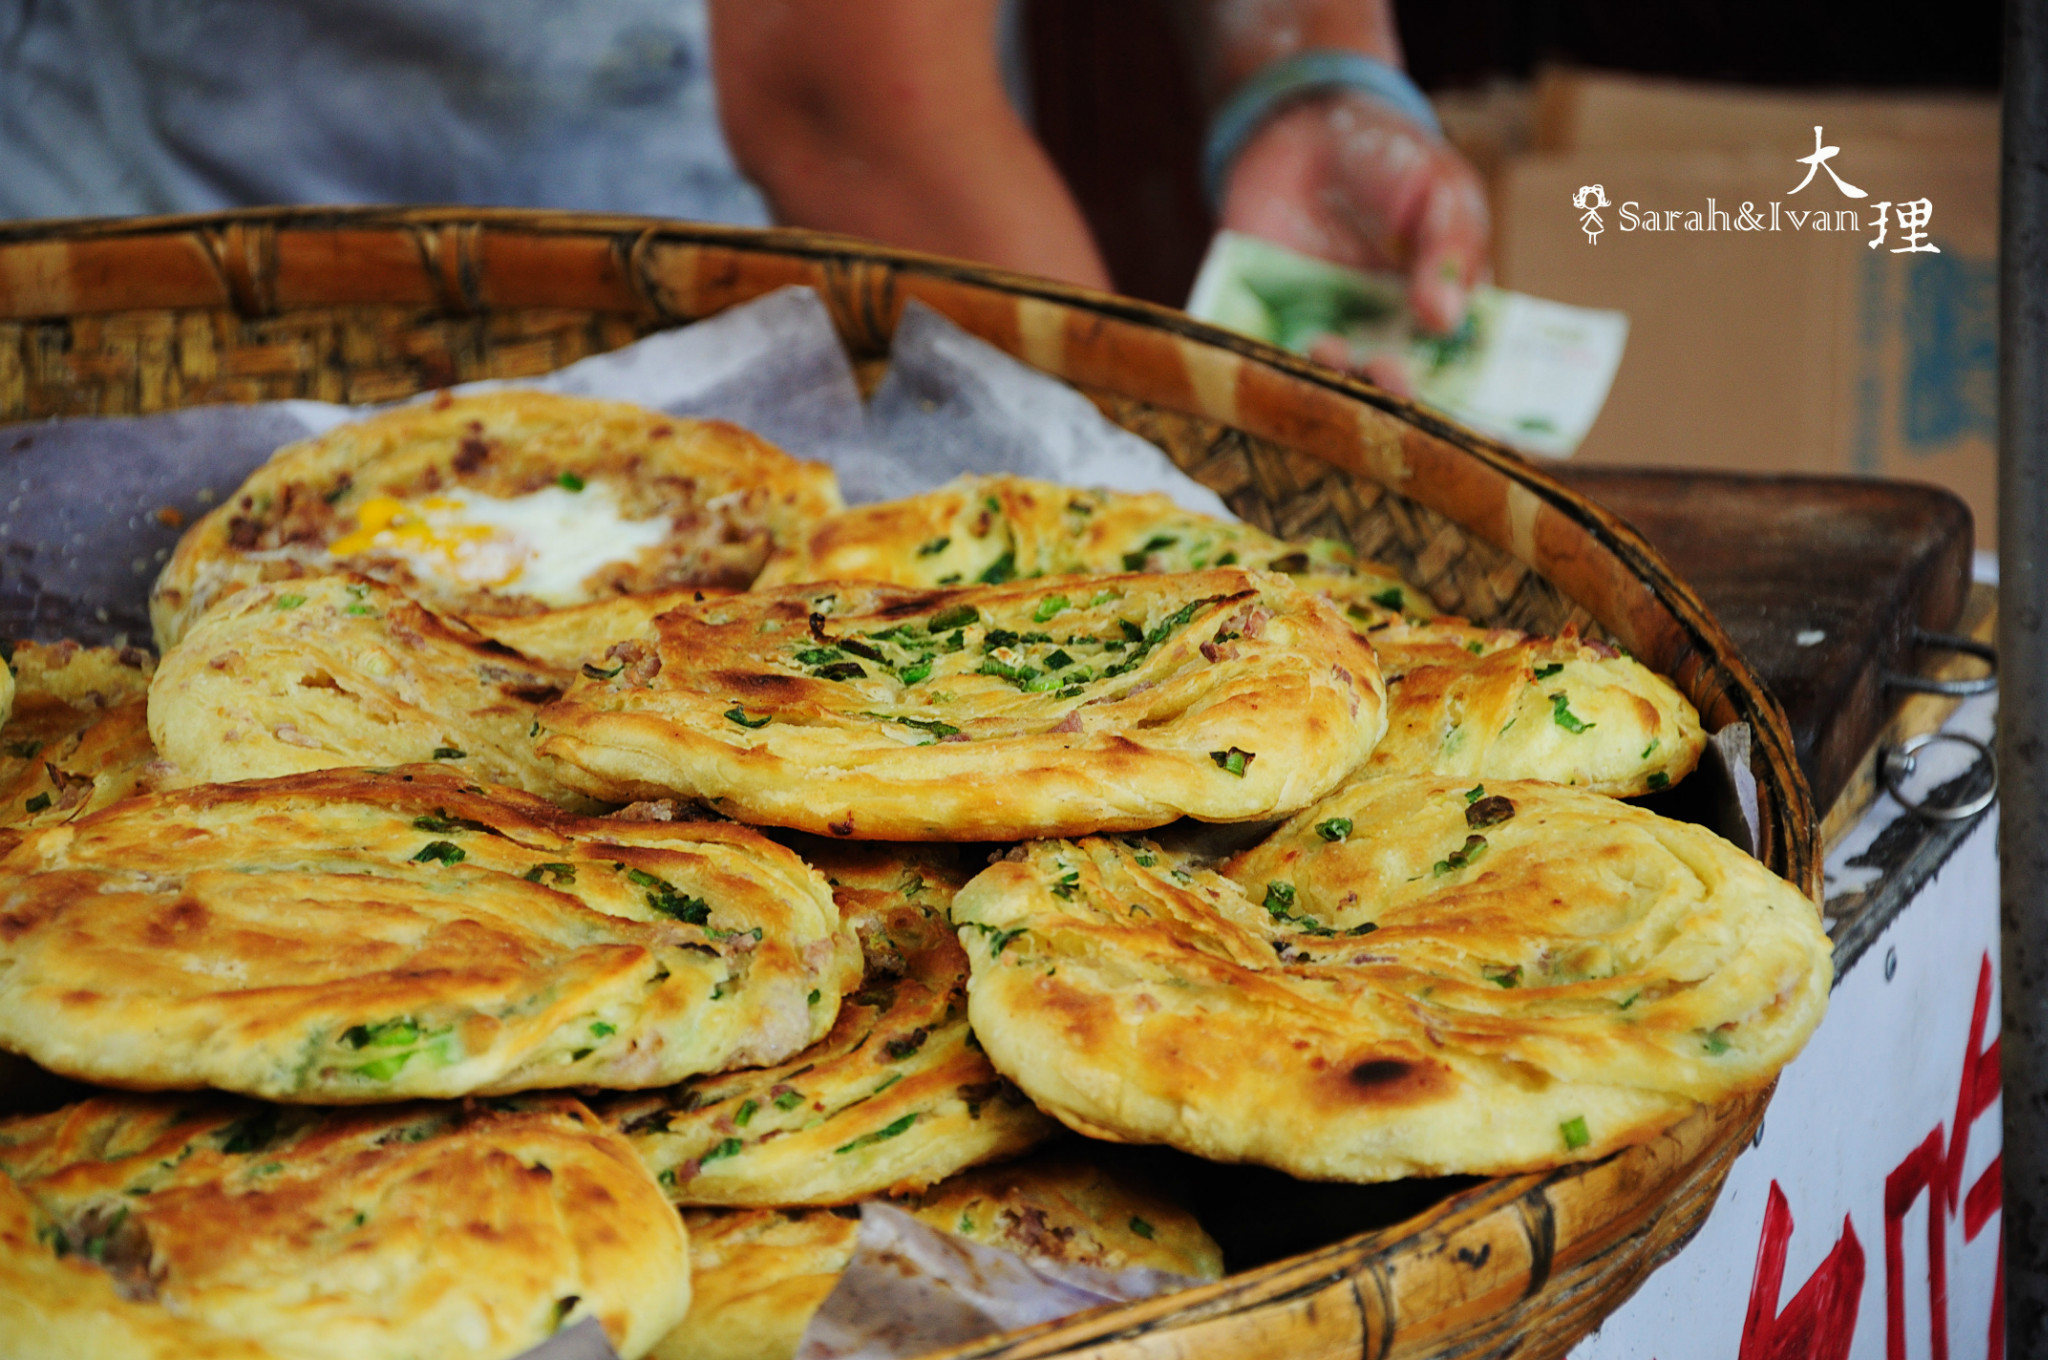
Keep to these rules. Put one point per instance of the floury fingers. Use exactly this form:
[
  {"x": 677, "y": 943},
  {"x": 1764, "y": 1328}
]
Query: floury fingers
[
  {"x": 1413, "y": 977},
  {"x": 354, "y": 936},
  {"x": 205, "y": 1228},
  {"x": 1050, "y": 707}
]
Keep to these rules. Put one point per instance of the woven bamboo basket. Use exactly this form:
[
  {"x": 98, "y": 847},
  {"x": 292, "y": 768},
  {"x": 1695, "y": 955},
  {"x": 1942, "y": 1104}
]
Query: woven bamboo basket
[{"x": 362, "y": 305}]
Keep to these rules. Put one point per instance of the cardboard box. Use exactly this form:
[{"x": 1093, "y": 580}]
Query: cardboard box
[
  {"x": 1782, "y": 348},
  {"x": 1596, "y": 111}
]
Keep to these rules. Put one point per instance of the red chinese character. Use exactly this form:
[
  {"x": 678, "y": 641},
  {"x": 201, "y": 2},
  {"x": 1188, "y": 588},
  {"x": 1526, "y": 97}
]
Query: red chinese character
[
  {"x": 1974, "y": 1095},
  {"x": 1939, "y": 1171},
  {"x": 1820, "y": 1321}
]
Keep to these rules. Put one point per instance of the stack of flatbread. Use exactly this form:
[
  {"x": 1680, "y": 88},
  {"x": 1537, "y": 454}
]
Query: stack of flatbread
[{"x": 562, "y": 861}]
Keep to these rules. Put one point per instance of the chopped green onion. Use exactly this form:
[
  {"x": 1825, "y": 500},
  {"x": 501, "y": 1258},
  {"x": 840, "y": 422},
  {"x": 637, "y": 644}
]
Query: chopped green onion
[
  {"x": 1336, "y": 829},
  {"x": 880, "y": 1135},
  {"x": 1233, "y": 761},
  {"x": 739, "y": 715},
  {"x": 1575, "y": 1133},
  {"x": 569, "y": 481},
  {"x": 290, "y": 601},
  {"x": 959, "y": 616},
  {"x": 444, "y": 852},
  {"x": 1561, "y": 714},
  {"x": 560, "y": 873},
  {"x": 1464, "y": 857}
]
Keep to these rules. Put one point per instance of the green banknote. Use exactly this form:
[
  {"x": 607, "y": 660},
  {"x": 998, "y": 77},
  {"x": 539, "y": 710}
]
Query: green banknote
[{"x": 1530, "y": 372}]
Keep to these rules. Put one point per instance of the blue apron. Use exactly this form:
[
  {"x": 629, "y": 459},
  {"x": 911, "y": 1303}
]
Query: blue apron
[{"x": 134, "y": 106}]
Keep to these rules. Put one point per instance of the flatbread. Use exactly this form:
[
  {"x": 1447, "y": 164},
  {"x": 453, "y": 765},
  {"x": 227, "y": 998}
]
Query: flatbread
[
  {"x": 142, "y": 1226},
  {"x": 566, "y": 638},
  {"x": 76, "y": 738},
  {"x": 334, "y": 671},
  {"x": 590, "y": 499},
  {"x": 760, "y": 1275},
  {"x": 1413, "y": 978},
  {"x": 991, "y": 529},
  {"x": 1062, "y": 1208},
  {"x": 1480, "y": 703},
  {"x": 897, "y": 1096},
  {"x": 987, "y": 713},
  {"x": 351, "y": 936}
]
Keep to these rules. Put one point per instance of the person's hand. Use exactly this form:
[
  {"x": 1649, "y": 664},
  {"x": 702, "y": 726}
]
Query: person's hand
[{"x": 1347, "y": 178}]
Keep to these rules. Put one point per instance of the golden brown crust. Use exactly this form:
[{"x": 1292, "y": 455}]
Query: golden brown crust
[
  {"x": 1398, "y": 982},
  {"x": 334, "y": 671},
  {"x": 875, "y": 712},
  {"x": 566, "y": 638},
  {"x": 1064, "y": 1209},
  {"x": 760, "y": 1275},
  {"x": 896, "y": 1097},
  {"x": 147, "y": 1226},
  {"x": 1479, "y": 703},
  {"x": 757, "y": 1278},
  {"x": 363, "y": 935},
  {"x": 726, "y": 494},
  {"x": 990, "y": 529},
  {"x": 76, "y": 739}
]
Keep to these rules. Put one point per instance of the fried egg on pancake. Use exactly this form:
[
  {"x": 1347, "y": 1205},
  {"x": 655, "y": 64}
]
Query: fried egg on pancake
[
  {"x": 75, "y": 739},
  {"x": 508, "y": 503},
  {"x": 988, "y": 713},
  {"x": 1490, "y": 704},
  {"x": 1416, "y": 977},
  {"x": 897, "y": 1096},
  {"x": 991, "y": 529},
  {"x": 760, "y": 1275},
  {"x": 334, "y": 671},
  {"x": 357, "y": 935},
  {"x": 146, "y": 1226}
]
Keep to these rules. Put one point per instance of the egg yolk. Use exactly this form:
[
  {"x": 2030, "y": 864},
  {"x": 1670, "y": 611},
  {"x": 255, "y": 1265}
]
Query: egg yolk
[{"x": 483, "y": 554}]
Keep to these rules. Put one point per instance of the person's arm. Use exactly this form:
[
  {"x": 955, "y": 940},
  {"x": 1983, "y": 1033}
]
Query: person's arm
[
  {"x": 888, "y": 119},
  {"x": 1342, "y": 174}
]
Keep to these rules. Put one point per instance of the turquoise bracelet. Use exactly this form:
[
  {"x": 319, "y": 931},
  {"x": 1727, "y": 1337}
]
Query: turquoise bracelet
[{"x": 1317, "y": 71}]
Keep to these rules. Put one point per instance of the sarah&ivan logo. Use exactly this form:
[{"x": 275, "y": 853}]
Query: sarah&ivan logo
[{"x": 1911, "y": 217}]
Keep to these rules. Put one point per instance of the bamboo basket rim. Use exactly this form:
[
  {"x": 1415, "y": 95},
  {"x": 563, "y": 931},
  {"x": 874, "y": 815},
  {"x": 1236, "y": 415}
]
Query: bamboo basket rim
[{"x": 51, "y": 261}]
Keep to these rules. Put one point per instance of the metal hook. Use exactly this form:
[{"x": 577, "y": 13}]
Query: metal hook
[
  {"x": 1897, "y": 762},
  {"x": 1948, "y": 642}
]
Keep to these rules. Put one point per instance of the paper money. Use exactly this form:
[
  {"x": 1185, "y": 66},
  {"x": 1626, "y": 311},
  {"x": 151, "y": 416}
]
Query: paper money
[{"x": 1530, "y": 372}]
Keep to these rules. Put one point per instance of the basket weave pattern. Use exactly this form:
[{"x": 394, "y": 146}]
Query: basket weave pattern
[{"x": 373, "y": 305}]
